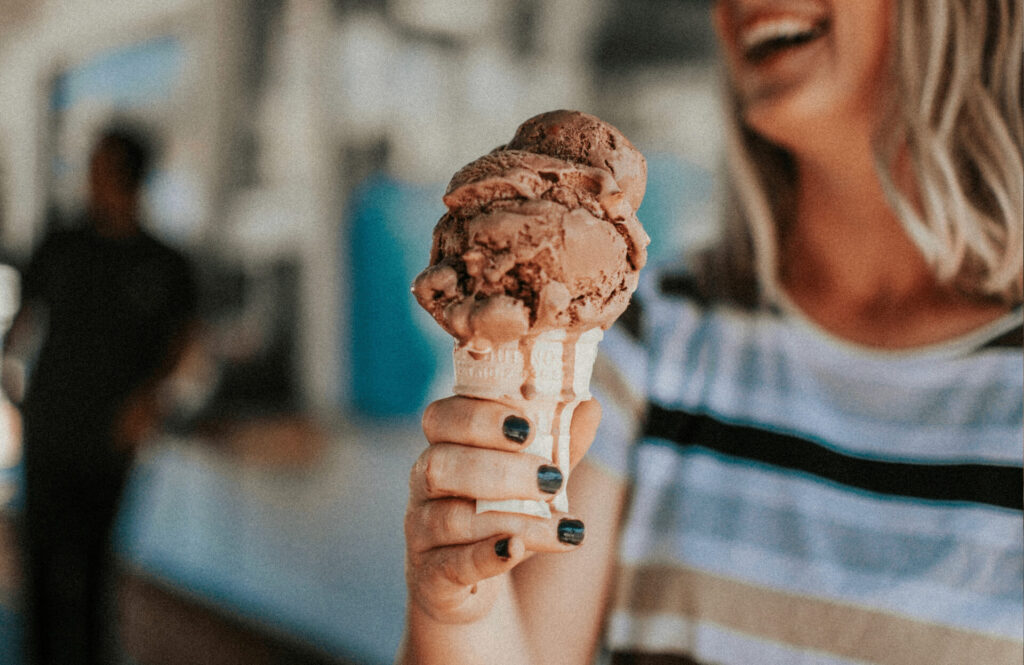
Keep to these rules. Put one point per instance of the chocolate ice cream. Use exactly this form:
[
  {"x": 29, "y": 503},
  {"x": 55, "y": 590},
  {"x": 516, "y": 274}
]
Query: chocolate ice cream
[{"x": 540, "y": 234}]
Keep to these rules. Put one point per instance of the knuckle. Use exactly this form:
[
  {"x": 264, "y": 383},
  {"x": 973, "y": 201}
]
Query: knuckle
[
  {"x": 455, "y": 523},
  {"x": 407, "y": 526},
  {"x": 449, "y": 569},
  {"x": 421, "y": 529},
  {"x": 413, "y": 565},
  {"x": 411, "y": 524},
  {"x": 417, "y": 474},
  {"x": 436, "y": 467},
  {"x": 480, "y": 418},
  {"x": 429, "y": 419},
  {"x": 418, "y": 538}
]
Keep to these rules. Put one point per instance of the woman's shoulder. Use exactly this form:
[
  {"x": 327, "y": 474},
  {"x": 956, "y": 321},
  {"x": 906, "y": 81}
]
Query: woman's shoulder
[{"x": 666, "y": 318}]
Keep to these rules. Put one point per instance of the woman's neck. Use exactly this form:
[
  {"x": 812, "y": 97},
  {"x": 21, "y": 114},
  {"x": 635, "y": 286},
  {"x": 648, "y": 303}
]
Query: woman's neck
[{"x": 848, "y": 264}]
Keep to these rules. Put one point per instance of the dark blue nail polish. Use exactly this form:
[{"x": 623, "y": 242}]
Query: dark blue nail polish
[
  {"x": 501, "y": 549},
  {"x": 570, "y": 531},
  {"x": 516, "y": 429},
  {"x": 549, "y": 479}
]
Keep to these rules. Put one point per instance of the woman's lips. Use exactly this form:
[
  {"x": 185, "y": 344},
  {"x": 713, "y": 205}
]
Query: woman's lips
[{"x": 765, "y": 36}]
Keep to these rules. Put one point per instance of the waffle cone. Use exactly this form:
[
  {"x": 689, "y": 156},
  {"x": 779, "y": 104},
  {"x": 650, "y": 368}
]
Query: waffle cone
[{"x": 545, "y": 376}]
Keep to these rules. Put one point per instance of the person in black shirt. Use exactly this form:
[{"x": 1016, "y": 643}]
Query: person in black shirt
[{"x": 117, "y": 305}]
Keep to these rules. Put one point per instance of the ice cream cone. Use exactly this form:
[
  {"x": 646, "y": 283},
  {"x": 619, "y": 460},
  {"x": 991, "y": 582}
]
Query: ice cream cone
[{"x": 546, "y": 376}]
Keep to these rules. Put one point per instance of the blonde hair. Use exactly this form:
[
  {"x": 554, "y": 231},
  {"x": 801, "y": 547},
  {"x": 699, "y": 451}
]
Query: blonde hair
[{"x": 957, "y": 67}]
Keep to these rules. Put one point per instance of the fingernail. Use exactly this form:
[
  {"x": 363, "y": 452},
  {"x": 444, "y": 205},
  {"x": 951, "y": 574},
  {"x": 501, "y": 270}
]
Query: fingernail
[
  {"x": 501, "y": 549},
  {"x": 570, "y": 531},
  {"x": 516, "y": 429},
  {"x": 549, "y": 479}
]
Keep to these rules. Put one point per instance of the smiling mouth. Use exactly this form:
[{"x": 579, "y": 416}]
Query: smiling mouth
[{"x": 765, "y": 39}]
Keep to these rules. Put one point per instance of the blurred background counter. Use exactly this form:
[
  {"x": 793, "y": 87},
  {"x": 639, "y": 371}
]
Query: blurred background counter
[{"x": 306, "y": 548}]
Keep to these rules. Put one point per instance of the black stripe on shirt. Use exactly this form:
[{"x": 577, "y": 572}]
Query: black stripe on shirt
[
  {"x": 1014, "y": 339},
  {"x": 991, "y": 484},
  {"x": 683, "y": 285},
  {"x": 637, "y": 658}
]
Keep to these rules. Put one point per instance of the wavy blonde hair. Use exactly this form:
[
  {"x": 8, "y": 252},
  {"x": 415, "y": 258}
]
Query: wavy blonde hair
[{"x": 956, "y": 111}]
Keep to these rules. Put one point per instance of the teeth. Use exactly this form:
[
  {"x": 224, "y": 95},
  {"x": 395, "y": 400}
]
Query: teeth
[{"x": 765, "y": 32}]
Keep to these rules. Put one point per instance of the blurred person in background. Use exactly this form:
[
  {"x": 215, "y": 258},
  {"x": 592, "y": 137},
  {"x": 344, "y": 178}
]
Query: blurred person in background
[
  {"x": 828, "y": 402},
  {"x": 114, "y": 307}
]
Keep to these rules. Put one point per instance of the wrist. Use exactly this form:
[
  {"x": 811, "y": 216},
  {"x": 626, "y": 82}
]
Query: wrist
[{"x": 495, "y": 636}]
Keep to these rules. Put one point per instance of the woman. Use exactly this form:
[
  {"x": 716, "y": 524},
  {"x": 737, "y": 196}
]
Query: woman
[{"x": 829, "y": 469}]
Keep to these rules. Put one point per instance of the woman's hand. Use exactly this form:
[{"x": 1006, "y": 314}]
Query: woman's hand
[{"x": 456, "y": 559}]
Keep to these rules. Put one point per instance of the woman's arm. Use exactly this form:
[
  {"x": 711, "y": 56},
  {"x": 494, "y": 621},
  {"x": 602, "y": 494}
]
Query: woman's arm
[{"x": 470, "y": 600}]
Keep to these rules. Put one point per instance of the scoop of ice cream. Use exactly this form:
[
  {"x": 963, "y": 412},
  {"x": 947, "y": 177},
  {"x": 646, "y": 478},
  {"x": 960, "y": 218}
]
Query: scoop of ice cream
[
  {"x": 531, "y": 266},
  {"x": 535, "y": 241},
  {"x": 507, "y": 175},
  {"x": 585, "y": 139}
]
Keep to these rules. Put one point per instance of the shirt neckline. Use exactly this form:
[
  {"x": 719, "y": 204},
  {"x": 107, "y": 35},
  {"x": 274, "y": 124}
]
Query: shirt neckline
[{"x": 954, "y": 346}]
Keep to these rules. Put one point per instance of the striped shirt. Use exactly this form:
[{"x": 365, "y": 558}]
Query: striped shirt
[{"x": 799, "y": 500}]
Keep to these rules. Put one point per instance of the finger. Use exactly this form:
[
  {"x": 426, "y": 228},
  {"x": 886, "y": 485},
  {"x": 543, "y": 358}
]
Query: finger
[
  {"x": 448, "y": 576},
  {"x": 447, "y": 522},
  {"x": 476, "y": 422},
  {"x": 583, "y": 428},
  {"x": 452, "y": 470}
]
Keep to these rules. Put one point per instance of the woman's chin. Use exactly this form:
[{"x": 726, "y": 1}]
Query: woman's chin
[{"x": 807, "y": 119}]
